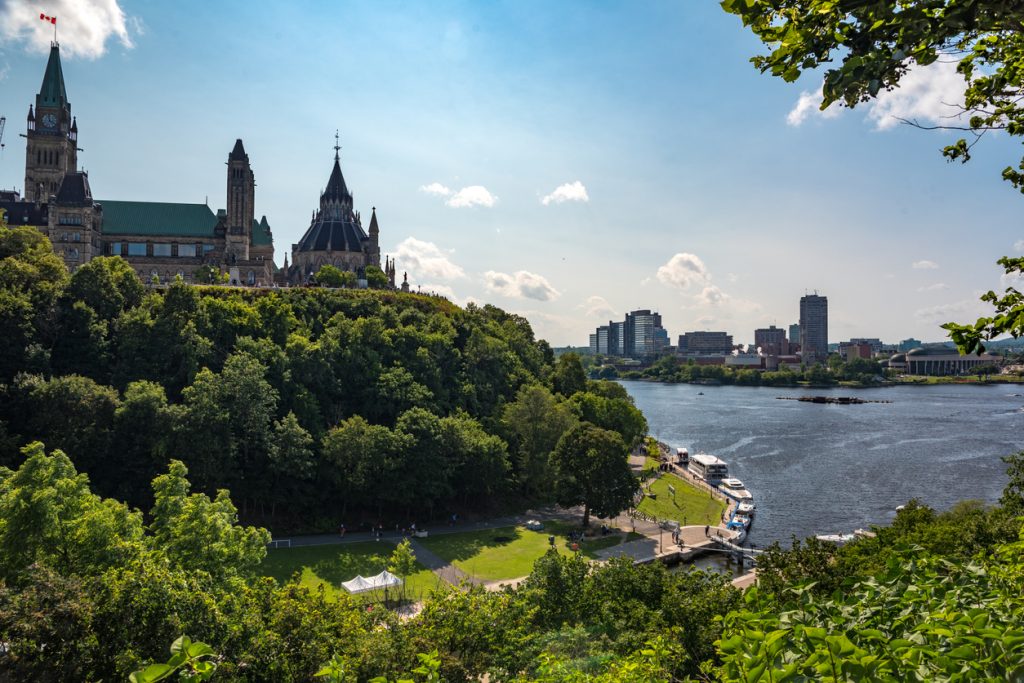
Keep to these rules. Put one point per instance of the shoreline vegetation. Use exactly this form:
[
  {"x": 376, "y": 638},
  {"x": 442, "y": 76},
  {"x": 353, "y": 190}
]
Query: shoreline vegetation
[{"x": 857, "y": 374}]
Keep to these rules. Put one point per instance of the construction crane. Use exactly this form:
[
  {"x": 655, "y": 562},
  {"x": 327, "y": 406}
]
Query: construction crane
[{"x": 3, "y": 122}]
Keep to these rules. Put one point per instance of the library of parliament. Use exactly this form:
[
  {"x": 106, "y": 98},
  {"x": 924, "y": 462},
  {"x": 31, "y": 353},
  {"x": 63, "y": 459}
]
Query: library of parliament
[{"x": 163, "y": 240}]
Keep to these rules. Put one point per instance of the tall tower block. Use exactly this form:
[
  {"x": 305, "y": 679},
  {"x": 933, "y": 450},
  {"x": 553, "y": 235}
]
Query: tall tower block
[
  {"x": 52, "y": 135},
  {"x": 241, "y": 200}
]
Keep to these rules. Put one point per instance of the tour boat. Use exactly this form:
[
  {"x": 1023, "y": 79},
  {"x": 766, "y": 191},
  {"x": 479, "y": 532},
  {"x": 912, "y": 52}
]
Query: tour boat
[{"x": 733, "y": 488}]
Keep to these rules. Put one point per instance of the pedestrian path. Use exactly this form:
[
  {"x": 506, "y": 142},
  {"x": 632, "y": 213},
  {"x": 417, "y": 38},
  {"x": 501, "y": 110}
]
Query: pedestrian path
[{"x": 445, "y": 571}]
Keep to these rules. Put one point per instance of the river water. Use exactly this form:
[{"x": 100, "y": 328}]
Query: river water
[{"x": 816, "y": 468}]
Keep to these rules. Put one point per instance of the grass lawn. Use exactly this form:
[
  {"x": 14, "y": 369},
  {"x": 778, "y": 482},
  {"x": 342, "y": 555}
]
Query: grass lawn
[
  {"x": 689, "y": 505},
  {"x": 509, "y": 552},
  {"x": 329, "y": 565}
]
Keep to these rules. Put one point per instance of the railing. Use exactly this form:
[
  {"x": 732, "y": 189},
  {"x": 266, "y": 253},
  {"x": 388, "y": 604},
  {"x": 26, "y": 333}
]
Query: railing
[{"x": 280, "y": 543}]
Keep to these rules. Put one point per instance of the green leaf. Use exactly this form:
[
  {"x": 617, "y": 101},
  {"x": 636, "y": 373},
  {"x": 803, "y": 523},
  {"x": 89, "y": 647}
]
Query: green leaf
[{"x": 153, "y": 672}]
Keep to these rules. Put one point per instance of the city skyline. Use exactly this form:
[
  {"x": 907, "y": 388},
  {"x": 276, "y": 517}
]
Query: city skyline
[{"x": 538, "y": 158}]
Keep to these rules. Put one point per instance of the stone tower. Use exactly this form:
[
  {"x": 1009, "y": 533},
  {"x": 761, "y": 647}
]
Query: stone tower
[
  {"x": 241, "y": 204},
  {"x": 373, "y": 247},
  {"x": 52, "y": 135}
]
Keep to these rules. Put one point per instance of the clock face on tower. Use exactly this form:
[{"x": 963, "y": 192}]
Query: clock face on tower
[{"x": 50, "y": 121}]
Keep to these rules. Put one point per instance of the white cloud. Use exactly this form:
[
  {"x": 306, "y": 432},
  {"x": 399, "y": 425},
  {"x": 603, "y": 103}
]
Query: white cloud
[
  {"x": 520, "y": 285},
  {"x": 436, "y": 189},
  {"x": 426, "y": 260},
  {"x": 937, "y": 287},
  {"x": 4, "y": 70},
  {"x": 474, "y": 195},
  {"x": 683, "y": 270},
  {"x": 944, "y": 313},
  {"x": 807, "y": 106},
  {"x": 928, "y": 94},
  {"x": 1019, "y": 245},
  {"x": 597, "y": 307},
  {"x": 1015, "y": 280},
  {"x": 924, "y": 265},
  {"x": 569, "y": 192},
  {"x": 712, "y": 295},
  {"x": 83, "y": 26}
]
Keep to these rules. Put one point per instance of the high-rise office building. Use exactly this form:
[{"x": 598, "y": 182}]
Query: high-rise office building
[
  {"x": 771, "y": 341},
  {"x": 814, "y": 328},
  {"x": 697, "y": 343},
  {"x": 794, "y": 335},
  {"x": 639, "y": 333}
]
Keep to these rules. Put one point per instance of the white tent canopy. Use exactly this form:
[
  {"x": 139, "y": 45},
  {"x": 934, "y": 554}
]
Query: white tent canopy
[{"x": 361, "y": 584}]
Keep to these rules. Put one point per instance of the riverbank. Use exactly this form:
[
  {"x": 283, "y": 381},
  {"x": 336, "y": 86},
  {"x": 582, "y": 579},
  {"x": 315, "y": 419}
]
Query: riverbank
[
  {"x": 905, "y": 381},
  {"x": 816, "y": 469}
]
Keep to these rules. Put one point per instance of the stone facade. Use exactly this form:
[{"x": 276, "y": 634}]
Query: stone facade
[
  {"x": 336, "y": 237},
  {"x": 158, "y": 239}
]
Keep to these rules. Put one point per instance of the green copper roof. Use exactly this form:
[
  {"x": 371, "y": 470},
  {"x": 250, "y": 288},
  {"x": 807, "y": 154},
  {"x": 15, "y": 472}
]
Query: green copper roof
[
  {"x": 261, "y": 232},
  {"x": 52, "y": 93},
  {"x": 157, "y": 218}
]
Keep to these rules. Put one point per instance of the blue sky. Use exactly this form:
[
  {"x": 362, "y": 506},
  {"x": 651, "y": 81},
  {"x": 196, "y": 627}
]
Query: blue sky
[{"x": 690, "y": 183}]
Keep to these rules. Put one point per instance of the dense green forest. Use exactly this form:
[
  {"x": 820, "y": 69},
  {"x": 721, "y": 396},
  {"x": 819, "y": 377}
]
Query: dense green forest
[
  {"x": 119, "y": 535},
  {"x": 92, "y": 590},
  {"x": 311, "y": 406}
]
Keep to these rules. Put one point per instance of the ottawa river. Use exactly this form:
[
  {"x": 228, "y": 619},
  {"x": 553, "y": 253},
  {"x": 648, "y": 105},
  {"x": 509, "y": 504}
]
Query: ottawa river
[{"x": 817, "y": 469}]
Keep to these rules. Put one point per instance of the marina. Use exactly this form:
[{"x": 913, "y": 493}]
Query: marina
[{"x": 792, "y": 455}]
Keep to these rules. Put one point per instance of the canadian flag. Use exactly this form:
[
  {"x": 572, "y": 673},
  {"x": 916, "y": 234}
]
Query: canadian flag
[{"x": 52, "y": 20}]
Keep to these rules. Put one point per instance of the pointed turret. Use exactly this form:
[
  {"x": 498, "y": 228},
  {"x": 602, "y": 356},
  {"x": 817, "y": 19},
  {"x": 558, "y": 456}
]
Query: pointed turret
[
  {"x": 238, "y": 152},
  {"x": 31, "y": 113},
  {"x": 52, "y": 92},
  {"x": 336, "y": 189},
  {"x": 374, "y": 230}
]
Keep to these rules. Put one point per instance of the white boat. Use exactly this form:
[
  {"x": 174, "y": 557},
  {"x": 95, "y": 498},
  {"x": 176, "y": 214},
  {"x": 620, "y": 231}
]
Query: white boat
[
  {"x": 742, "y": 519},
  {"x": 708, "y": 467},
  {"x": 747, "y": 507},
  {"x": 838, "y": 539},
  {"x": 683, "y": 456},
  {"x": 734, "y": 488},
  {"x": 739, "y": 530}
]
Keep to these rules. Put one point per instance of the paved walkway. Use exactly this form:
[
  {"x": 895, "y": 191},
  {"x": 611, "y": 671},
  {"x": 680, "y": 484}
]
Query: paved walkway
[{"x": 446, "y": 571}]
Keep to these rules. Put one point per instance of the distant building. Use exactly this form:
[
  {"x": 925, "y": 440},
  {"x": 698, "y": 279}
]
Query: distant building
[
  {"x": 705, "y": 343},
  {"x": 600, "y": 344},
  {"x": 593, "y": 345},
  {"x": 938, "y": 361},
  {"x": 745, "y": 360},
  {"x": 794, "y": 334},
  {"x": 771, "y": 341},
  {"x": 616, "y": 339},
  {"x": 849, "y": 351},
  {"x": 640, "y": 335},
  {"x": 661, "y": 341},
  {"x": 814, "y": 328},
  {"x": 639, "y": 331},
  {"x": 874, "y": 343},
  {"x": 909, "y": 344}
]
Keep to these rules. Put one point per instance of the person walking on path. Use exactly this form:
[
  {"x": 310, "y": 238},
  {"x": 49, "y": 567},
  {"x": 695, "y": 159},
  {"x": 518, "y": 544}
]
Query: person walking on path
[
  {"x": 707, "y": 530},
  {"x": 341, "y": 531}
]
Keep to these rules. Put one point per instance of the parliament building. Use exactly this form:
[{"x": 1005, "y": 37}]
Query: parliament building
[{"x": 163, "y": 240}]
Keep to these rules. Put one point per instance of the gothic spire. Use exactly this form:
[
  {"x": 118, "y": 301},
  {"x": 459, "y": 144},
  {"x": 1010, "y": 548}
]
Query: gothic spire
[
  {"x": 239, "y": 151},
  {"x": 52, "y": 92}
]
